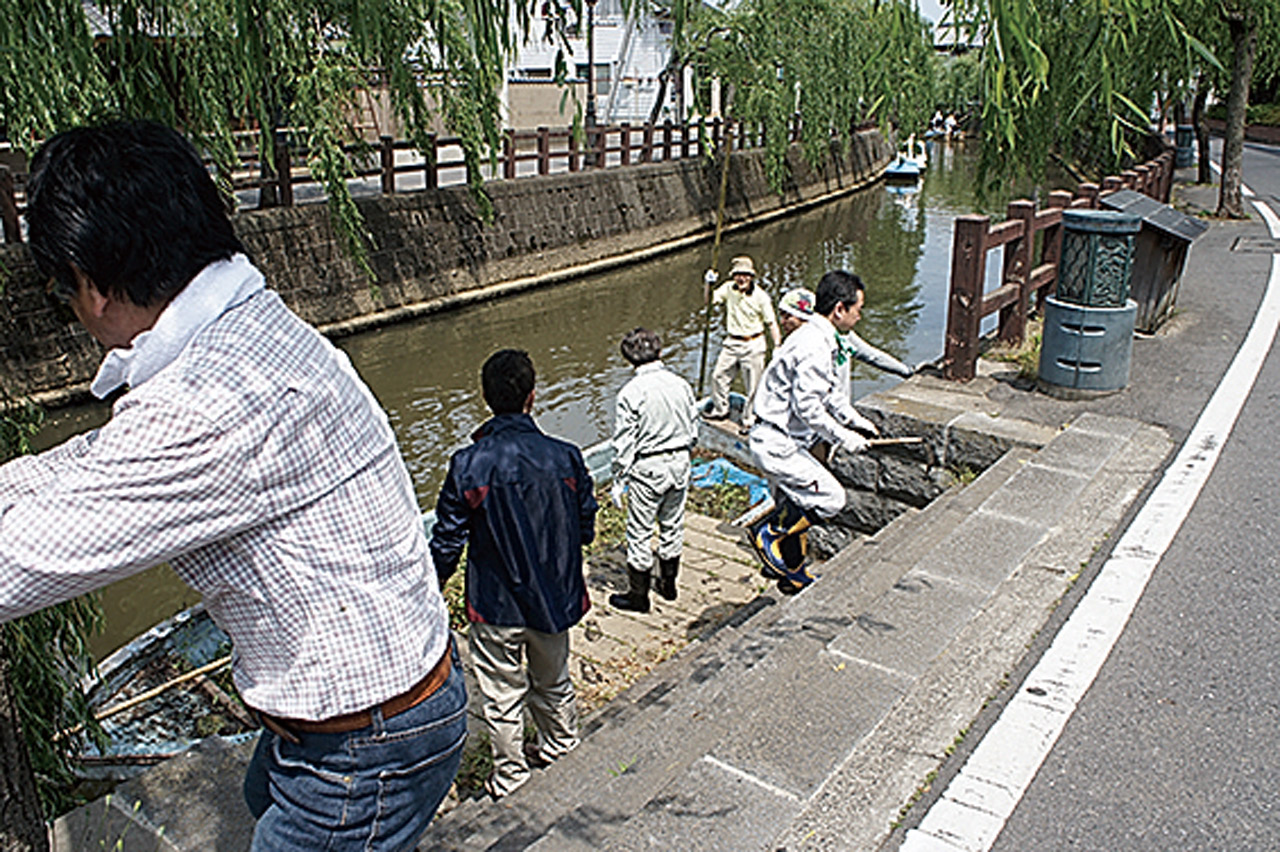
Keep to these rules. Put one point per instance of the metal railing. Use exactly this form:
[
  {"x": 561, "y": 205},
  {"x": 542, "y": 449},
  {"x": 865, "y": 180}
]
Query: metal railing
[{"x": 1021, "y": 277}]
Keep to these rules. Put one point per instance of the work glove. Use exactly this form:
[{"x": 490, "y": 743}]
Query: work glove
[
  {"x": 864, "y": 425},
  {"x": 710, "y": 278},
  {"x": 852, "y": 442},
  {"x": 615, "y": 493}
]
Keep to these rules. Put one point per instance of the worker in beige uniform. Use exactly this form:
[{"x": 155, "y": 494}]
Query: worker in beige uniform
[{"x": 748, "y": 314}]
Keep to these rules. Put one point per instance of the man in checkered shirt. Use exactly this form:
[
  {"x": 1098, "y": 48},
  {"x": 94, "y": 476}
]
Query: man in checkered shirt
[{"x": 248, "y": 455}]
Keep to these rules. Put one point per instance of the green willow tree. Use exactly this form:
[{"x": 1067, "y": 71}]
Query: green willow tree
[
  {"x": 867, "y": 61},
  {"x": 211, "y": 67},
  {"x": 43, "y": 658},
  {"x": 1078, "y": 78}
]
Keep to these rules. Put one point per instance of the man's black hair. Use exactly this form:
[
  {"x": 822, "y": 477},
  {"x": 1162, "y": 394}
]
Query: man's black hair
[
  {"x": 507, "y": 378},
  {"x": 131, "y": 206},
  {"x": 641, "y": 346},
  {"x": 835, "y": 288}
]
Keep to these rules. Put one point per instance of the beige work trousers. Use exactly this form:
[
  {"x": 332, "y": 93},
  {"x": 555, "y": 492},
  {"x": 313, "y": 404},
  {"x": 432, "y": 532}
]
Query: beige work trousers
[
  {"x": 507, "y": 686},
  {"x": 745, "y": 356}
]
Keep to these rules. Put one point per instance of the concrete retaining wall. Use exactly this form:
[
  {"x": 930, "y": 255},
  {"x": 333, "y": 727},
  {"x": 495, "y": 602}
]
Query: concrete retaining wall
[{"x": 434, "y": 251}]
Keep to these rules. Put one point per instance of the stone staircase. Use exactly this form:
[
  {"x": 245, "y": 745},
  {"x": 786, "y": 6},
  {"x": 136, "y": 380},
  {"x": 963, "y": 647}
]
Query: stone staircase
[
  {"x": 803, "y": 722},
  {"x": 809, "y": 722}
]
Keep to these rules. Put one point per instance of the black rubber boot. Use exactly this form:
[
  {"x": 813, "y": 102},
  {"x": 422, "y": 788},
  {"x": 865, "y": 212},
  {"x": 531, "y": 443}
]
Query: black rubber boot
[
  {"x": 667, "y": 571},
  {"x": 637, "y": 597}
]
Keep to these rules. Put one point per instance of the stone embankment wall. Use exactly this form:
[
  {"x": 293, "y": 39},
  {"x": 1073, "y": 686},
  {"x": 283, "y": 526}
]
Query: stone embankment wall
[
  {"x": 883, "y": 483},
  {"x": 434, "y": 251}
]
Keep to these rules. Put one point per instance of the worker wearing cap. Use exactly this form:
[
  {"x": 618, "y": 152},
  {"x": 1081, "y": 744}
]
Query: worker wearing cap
[
  {"x": 794, "y": 308},
  {"x": 798, "y": 402},
  {"x": 748, "y": 314}
]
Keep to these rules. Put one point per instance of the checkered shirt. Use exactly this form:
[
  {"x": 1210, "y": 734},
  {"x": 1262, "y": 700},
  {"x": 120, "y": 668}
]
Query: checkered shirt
[{"x": 260, "y": 467}]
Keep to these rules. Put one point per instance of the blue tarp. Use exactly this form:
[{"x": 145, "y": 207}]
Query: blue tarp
[{"x": 721, "y": 472}]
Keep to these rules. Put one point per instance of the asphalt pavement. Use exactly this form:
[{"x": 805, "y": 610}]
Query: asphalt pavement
[{"x": 1175, "y": 744}]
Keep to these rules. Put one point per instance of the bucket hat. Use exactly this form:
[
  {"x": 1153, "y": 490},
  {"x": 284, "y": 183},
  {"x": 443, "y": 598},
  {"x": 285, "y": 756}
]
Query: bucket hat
[{"x": 743, "y": 264}]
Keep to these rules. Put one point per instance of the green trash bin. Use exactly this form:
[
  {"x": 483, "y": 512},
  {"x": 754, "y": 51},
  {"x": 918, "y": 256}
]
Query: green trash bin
[{"x": 1088, "y": 321}]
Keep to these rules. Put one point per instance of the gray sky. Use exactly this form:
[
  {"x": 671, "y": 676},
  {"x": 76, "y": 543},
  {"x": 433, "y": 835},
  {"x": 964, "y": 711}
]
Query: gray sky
[{"x": 931, "y": 9}]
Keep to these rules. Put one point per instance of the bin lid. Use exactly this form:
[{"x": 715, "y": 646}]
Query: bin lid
[{"x": 1160, "y": 216}]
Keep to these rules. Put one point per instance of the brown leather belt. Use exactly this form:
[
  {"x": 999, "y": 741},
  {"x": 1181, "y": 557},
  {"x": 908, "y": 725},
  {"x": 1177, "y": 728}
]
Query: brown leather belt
[
  {"x": 746, "y": 337},
  {"x": 412, "y": 697}
]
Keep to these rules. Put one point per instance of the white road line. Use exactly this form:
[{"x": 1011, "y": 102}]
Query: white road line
[
  {"x": 1244, "y": 188},
  {"x": 1269, "y": 216},
  {"x": 978, "y": 802},
  {"x": 747, "y": 776}
]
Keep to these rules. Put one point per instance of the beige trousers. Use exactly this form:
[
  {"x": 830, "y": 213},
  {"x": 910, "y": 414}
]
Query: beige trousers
[
  {"x": 745, "y": 356},
  {"x": 507, "y": 686}
]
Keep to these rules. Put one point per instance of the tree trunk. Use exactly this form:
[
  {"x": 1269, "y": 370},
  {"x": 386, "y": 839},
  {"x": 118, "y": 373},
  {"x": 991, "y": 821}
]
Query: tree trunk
[
  {"x": 21, "y": 824},
  {"x": 1243, "y": 26},
  {"x": 1201, "y": 124}
]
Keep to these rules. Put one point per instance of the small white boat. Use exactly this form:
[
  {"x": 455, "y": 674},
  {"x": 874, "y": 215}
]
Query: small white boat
[{"x": 910, "y": 163}]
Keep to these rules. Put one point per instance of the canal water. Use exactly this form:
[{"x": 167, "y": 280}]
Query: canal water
[{"x": 426, "y": 372}]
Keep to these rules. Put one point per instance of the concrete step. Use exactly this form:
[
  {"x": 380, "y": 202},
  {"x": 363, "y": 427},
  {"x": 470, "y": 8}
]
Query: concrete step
[
  {"x": 666, "y": 724},
  {"x": 810, "y": 720}
]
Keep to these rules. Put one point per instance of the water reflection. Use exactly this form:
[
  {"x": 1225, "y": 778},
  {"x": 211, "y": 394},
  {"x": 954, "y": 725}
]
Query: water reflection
[{"x": 426, "y": 373}]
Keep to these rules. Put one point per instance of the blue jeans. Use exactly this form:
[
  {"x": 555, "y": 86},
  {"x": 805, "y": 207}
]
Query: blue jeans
[{"x": 372, "y": 789}]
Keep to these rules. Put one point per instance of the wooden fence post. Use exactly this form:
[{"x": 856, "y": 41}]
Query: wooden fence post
[
  {"x": 388, "y": 151},
  {"x": 1017, "y": 268},
  {"x": 284, "y": 171},
  {"x": 9, "y": 207},
  {"x": 1051, "y": 247},
  {"x": 601, "y": 156},
  {"x": 1089, "y": 192},
  {"x": 964, "y": 304},
  {"x": 544, "y": 151},
  {"x": 574, "y": 156},
  {"x": 430, "y": 161},
  {"x": 1111, "y": 183},
  {"x": 646, "y": 153},
  {"x": 666, "y": 140},
  {"x": 624, "y": 142},
  {"x": 509, "y": 154}
]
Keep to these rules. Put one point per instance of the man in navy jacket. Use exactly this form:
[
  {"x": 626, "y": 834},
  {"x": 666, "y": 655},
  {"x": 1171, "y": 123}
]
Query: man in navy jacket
[{"x": 523, "y": 502}]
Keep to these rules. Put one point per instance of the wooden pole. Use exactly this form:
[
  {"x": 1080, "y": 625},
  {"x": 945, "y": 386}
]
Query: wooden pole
[{"x": 726, "y": 151}]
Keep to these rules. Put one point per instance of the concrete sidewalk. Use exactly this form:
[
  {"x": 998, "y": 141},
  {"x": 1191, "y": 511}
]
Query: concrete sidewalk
[{"x": 812, "y": 722}]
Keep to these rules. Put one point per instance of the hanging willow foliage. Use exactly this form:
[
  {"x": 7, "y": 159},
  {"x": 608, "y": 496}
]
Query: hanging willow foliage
[
  {"x": 832, "y": 63},
  {"x": 48, "y": 657},
  {"x": 210, "y": 67},
  {"x": 1077, "y": 78}
]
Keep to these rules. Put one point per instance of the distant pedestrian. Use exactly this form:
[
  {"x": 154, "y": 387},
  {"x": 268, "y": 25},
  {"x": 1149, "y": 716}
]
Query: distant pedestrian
[
  {"x": 797, "y": 401},
  {"x": 748, "y": 315},
  {"x": 246, "y": 453},
  {"x": 655, "y": 426},
  {"x": 523, "y": 503}
]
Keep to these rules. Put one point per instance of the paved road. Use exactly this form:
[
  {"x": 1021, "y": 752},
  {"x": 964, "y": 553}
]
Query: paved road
[{"x": 1176, "y": 744}]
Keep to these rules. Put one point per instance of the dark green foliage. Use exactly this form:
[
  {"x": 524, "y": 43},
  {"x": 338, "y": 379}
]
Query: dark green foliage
[{"x": 48, "y": 656}]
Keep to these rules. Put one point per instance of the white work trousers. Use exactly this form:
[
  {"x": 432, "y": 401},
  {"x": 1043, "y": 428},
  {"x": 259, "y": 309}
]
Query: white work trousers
[
  {"x": 745, "y": 356},
  {"x": 793, "y": 469},
  {"x": 656, "y": 490},
  {"x": 499, "y": 656}
]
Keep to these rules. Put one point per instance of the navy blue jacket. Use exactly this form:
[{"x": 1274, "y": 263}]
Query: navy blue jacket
[{"x": 524, "y": 501}]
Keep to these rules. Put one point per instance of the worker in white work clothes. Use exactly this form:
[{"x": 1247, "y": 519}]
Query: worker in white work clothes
[
  {"x": 798, "y": 400},
  {"x": 655, "y": 427}
]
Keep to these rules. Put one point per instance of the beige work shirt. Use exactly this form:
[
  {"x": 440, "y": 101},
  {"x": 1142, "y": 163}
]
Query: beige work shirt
[{"x": 745, "y": 315}]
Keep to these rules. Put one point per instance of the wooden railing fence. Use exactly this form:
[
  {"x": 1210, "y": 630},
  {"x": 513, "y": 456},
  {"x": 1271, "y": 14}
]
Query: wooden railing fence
[
  {"x": 1021, "y": 277},
  {"x": 399, "y": 165}
]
